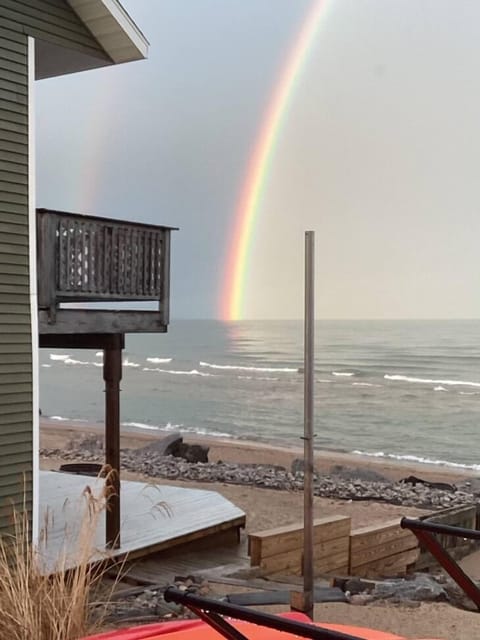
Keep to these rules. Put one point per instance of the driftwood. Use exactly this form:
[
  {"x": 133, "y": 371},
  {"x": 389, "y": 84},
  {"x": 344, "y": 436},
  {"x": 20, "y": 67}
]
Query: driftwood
[{"x": 413, "y": 480}]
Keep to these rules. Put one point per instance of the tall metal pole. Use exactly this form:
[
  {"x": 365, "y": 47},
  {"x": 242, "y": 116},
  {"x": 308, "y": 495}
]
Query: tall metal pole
[{"x": 308, "y": 584}]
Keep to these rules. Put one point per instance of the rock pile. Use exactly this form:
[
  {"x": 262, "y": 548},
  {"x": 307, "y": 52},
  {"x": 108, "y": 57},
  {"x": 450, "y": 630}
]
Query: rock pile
[
  {"x": 419, "y": 587},
  {"x": 173, "y": 445},
  {"x": 340, "y": 486},
  {"x": 409, "y": 591},
  {"x": 147, "y": 604},
  {"x": 415, "y": 588}
]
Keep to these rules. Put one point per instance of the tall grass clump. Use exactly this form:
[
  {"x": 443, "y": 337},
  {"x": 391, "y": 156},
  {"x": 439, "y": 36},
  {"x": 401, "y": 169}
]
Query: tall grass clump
[{"x": 40, "y": 601}]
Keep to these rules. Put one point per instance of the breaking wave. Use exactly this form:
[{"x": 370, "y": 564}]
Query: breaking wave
[
  {"x": 66, "y": 359},
  {"x": 346, "y": 374},
  {"x": 127, "y": 363},
  {"x": 267, "y": 378},
  {"x": 419, "y": 459},
  {"x": 452, "y": 383},
  {"x": 192, "y": 372},
  {"x": 232, "y": 367},
  {"x": 177, "y": 427},
  {"x": 62, "y": 419},
  {"x": 152, "y": 427},
  {"x": 365, "y": 384},
  {"x": 159, "y": 360}
]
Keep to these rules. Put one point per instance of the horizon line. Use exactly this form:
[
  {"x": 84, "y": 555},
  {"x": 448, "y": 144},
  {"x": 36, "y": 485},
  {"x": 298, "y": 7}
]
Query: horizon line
[{"x": 332, "y": 319}]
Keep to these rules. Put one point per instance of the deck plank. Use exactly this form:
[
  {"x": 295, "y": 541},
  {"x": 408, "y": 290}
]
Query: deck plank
[{"x": 146, "y": 526}]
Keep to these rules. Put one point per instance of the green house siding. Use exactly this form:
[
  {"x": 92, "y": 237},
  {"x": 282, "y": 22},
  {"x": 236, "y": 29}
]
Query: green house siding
[
  {"x": 15, "y": 327},
  {"x": 55, "y": 22},
  {"x": 50, "y": 20}
]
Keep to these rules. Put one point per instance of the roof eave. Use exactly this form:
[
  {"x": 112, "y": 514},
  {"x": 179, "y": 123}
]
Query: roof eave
[{"x": 113, "y": 28}]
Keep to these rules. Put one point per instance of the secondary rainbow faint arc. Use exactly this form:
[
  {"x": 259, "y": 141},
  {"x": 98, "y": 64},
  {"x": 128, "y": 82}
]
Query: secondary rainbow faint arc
[{"x": 233, "y": 290}]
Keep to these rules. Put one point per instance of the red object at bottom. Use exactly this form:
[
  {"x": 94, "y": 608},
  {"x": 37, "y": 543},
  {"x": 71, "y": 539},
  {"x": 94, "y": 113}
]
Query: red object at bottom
[
  {"x": 149, "y": 631},
  {"x": 199, "y": 630}
]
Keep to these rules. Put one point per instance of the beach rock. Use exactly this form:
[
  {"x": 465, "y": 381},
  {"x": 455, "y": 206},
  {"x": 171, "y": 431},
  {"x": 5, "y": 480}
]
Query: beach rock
[
  {"x": 471, "y": 485},
  {"x": 298, "y": 466},
  {"x": 189, "y": 452},
  {"x": 413, "y": 480},
  {"x": 173, "y": 445},
  {"x": 358, "y": 585},
  {"x": 359, "y": 599},
  {"x": 256, "y": 465},
  {"x": 144, "y": 605},
  {"x": 370, "y": 475},
  {"x": 420, "y": 587},
  {"x": 163, "y": 446}
]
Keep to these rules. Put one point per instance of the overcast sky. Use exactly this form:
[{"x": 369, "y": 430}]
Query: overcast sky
[{"x": 380, "y": 152}]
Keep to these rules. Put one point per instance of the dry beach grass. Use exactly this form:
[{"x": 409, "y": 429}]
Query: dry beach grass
[{"x": 52, "y": 606}]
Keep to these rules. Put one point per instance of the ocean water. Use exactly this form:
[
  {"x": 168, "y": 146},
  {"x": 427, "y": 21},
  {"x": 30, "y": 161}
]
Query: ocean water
[{"x": 399, "y": 389}]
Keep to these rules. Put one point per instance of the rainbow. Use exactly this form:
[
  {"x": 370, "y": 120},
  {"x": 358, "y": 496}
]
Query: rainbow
[{"x": 233, "y": 289}]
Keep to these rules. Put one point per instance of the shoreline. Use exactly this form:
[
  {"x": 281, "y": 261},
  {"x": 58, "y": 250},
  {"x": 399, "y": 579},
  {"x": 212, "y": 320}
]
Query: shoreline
[{"x": 57, "y": 434}]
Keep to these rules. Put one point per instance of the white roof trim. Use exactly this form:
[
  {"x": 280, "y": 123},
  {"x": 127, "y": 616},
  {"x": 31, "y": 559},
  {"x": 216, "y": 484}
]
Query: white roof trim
[{"x": 111, "y": 25}]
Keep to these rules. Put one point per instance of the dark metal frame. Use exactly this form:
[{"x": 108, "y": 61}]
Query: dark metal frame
[
  {"x": 211, "y": 611},
  {"x": 424, "y": 531}
]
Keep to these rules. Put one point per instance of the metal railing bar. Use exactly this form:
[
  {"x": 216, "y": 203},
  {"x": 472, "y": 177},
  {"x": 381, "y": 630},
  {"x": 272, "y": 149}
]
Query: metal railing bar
[
  {"x": 222, "y": 626},
  {"x": 424, "y": 532},
  {"x": 194, "y": 602},
  {"x": 434, "y": 527}
]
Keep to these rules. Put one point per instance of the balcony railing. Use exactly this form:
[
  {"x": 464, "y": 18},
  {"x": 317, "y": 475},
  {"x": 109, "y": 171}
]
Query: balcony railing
[{"x": 85, "y": 259}]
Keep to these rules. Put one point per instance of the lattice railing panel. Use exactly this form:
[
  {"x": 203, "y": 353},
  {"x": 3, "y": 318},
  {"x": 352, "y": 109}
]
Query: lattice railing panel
[
  {"x": 108, "y": 260},
  {"x": 93, "y": 259}
]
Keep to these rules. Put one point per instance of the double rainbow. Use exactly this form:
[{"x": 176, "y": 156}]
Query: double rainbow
[{"x": 234, "y": 285}]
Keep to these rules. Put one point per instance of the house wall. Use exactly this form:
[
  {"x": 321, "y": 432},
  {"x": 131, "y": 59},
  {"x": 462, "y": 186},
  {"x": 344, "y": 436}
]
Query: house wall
[
  {"x": 15, "y": 322},
  {"x": 52, "y": 21}
]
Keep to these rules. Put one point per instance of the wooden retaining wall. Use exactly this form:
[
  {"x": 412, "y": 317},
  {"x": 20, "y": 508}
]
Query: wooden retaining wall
[
  {"x": 280, "y": 550},
  {"x": 382, "y": 550},
  {"x": 375, "y": 551}
]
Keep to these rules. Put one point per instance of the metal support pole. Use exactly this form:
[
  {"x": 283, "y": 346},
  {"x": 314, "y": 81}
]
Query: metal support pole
[
  {"x": 308, "y": 583},
  {"x": 112, "y": 374}
]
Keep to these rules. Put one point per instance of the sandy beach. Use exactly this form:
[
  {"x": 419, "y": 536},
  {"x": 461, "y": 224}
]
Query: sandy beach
[{"x": 266, "y": 508}]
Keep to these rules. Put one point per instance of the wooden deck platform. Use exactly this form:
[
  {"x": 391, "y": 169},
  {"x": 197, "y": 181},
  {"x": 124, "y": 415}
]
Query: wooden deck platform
[{"x": 154, "y": 517}]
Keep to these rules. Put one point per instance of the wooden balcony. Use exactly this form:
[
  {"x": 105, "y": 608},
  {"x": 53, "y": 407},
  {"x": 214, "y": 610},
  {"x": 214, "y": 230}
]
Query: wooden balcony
[{"x": 86, "y": 259}]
